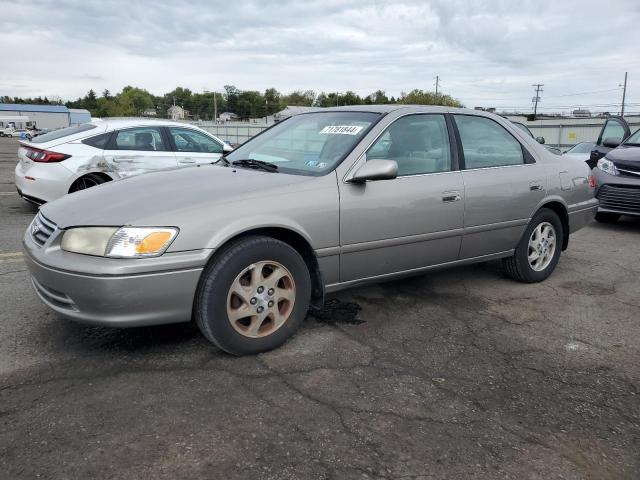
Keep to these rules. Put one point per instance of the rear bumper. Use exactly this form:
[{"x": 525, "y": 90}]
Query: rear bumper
[
  {"x": 41, "y": 183},
  {"x": 582, "y": 217}
]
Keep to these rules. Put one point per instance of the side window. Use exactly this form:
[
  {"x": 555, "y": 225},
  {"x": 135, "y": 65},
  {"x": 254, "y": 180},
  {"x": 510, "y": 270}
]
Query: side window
[
  {"x": 188, "y": 140},
  {"x": 140, "y": 138},
  {"x": 486, "y": 143},
  {"x": 612, "y": 129},
  {"x": 418, "y": 143},
  {"x": 98, "y": 141}
]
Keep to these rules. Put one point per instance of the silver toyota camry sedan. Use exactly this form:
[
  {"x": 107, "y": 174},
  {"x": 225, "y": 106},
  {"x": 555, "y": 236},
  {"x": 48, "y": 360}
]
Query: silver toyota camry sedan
[{"x": 317, "y": 203}]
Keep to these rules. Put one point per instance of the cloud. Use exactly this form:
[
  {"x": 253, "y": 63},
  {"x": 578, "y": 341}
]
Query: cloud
[{"x": 486, "y": 52}]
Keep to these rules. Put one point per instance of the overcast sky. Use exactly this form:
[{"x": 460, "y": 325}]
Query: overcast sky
[{"x": 487, "y": 53}]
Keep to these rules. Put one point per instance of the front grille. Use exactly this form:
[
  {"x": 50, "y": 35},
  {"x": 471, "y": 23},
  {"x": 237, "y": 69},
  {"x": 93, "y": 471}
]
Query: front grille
[
  {"x": 623, "y": 198},
  {"x": 629, "y": 170},
  {"x": 41, "y": 229}
]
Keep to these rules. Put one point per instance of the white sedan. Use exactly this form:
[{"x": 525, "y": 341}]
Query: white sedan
[{"x": 82, "y": 156}]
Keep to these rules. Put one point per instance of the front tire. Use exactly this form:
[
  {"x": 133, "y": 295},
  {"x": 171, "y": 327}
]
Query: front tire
[
  {"x": 253, "y": 296},
  {"x": 538, "y": 252}
]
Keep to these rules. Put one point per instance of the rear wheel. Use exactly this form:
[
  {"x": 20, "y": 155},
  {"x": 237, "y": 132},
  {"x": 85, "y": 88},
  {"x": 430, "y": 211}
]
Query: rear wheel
[
  {"x": 87, "y": 181},
  {"x": 538, "y": 252},
  {"x": 254, "y": 296},
  {"x": 606, "y": 217}
]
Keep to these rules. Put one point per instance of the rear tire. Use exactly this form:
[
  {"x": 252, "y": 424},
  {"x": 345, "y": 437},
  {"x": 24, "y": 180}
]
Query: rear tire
[
  {"x": 606, "y": 217},
  {"x": 253, "y": 296},
  {"x": 538, "y": 252},
  {"x": 87, "y": 181}
]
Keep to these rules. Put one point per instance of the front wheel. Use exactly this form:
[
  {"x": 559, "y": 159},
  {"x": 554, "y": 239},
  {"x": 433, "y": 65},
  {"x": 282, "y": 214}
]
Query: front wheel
[
  {"x": 253, "y": 296},
  {"x": 538, "y": 252}
]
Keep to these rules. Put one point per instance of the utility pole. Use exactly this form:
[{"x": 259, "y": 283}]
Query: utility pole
[
  {"x": 537, "y": 98},
  {"x": 215, "y": 107},
  {"x": 437, "y": 82},
  {"x": 624, "y": 94}
]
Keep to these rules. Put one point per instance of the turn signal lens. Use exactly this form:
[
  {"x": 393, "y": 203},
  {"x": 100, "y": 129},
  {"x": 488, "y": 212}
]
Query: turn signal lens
[
  {"x": 152, "y": 243},
  {"x": 130, "y": 242}
]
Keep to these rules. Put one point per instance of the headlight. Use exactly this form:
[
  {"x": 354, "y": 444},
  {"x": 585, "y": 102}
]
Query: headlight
[
  {"x": 125, "y": 242},
  {"x": 607, "y": 166}
]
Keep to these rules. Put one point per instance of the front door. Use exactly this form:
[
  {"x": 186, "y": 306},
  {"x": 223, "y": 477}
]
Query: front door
[
  {"x": 412, "y": 221},
  {"x": 137, "y": 150},
  {"x": 502, "y": 185},
  {"x": 194, "y": 147},
  {"x": 615, "y": 128}
]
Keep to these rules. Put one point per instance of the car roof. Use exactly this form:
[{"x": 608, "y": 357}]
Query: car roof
[
  {"x": 394, "y": 107},
  {"x": 116, "y": 123}
]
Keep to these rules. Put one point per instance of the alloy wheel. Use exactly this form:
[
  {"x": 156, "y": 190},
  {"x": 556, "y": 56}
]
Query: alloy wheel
[
  {"x": 542, "y": 246},
  {"x": 261, "y": 299}
]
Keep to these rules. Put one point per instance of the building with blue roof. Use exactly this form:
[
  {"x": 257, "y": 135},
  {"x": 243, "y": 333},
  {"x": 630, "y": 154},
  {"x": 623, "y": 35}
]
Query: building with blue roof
[{"x": 50, "y": 117}]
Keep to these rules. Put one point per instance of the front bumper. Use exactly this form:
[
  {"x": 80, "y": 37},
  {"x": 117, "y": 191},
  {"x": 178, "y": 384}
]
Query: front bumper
[
  {"x": 617, "y": 193},
  {"x": 114, "y": 292}
]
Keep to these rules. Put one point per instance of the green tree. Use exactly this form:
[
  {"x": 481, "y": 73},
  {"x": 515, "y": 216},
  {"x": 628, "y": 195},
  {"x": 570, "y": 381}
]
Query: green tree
[{"x": 420, "y": 97}]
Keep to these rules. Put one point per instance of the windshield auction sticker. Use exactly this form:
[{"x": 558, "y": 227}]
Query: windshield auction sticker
[{"x": 340, "y": 130}]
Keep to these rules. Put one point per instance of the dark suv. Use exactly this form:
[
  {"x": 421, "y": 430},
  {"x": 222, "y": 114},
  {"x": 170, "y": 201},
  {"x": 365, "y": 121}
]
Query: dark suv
[{"x": 617, "y": 174}]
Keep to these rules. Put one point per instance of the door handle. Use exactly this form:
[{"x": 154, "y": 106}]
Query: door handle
[
  {"x": 123, "y": 159},
  {"x": 535, "y": 186},
  {"x": 451, "y": 196},
  {"x": 186, "y": 160}
]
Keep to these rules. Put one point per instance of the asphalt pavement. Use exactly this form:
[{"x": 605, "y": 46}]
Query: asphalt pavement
[{"x": 456, "y": 374}]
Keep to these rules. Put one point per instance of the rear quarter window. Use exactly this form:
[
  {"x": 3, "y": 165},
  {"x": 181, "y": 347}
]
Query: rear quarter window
[
  {"x": 63, "y": 132},
  {"x": 98, "y": 141}
]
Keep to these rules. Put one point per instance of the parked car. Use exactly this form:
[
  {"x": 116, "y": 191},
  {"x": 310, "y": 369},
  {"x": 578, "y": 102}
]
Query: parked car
[
  {"x": 614, "y": 131},
  {"x": 83, "y": 156},
  {"x": 541, "y": 140},
  {"x": 618, "y": 181},
  {"x": 580, "y": 151},
  {"x": 319, "y": 202},
  {"x": 12, "y": 132}
]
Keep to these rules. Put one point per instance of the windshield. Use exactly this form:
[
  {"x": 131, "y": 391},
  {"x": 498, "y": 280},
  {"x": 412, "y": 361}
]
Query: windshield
[
  {"x": 308, "y": 144},
  {"x": 584, "y": 147},
  {"x": 634, "y": 139}
]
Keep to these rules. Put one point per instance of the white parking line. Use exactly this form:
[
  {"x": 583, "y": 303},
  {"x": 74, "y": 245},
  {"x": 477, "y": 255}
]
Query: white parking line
[
  {"x": 11, "y": 254},
  {"x": 8, "y": 193}
]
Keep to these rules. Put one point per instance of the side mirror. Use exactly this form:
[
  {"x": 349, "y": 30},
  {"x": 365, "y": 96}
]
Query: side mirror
[
  {"x": 376, "y": 170},
  {"x": 540, "y": 140},
  {"x": 611, "y": 142},
  {"x": 227, "y": 148}
]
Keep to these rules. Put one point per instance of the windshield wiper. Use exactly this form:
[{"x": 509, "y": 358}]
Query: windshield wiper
[
  {"x": 258, "y": 164},
  {"x": 223, "y": 160}
]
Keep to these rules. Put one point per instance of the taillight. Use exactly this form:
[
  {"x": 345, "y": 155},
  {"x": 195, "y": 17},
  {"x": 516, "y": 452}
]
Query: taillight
[
  {"x": 592, "y": 181},
  {"x": 45, "y": 156}
]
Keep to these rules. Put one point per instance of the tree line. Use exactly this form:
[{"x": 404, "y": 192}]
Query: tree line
[{"x": 133, "y": 101}]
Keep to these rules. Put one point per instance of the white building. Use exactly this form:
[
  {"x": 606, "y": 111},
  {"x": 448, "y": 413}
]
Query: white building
[{"x": 51, "y": 117}]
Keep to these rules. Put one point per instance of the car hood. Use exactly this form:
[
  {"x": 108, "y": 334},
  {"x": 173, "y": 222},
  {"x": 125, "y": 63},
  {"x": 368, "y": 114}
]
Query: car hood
[
  {"x": 625, "y": 155},
  {"x": 164, "y": 196}
]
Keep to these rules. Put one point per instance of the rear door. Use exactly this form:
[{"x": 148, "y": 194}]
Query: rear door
[
  {"x": 193, "y": 146},
  {"x": 132, "y": 151},
  {"x": 502, "y": 186},
  {"x": 615, "y": 128}
]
